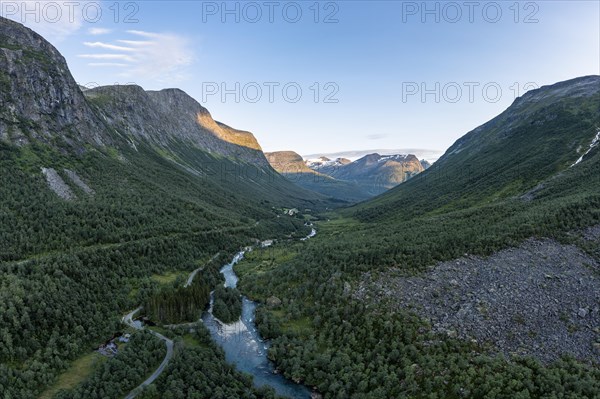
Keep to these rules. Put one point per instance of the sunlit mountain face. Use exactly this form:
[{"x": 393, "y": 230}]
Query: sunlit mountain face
[{"x": 299, "y": 200}]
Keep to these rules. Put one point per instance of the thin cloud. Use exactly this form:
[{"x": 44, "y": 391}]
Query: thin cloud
[
  {"x": 161, "y": 57},
  {"x": 123, "y": 57},
  {"x": 108, "y": 46},
  {"x": 376, "y": 136},
  {"x": 108, "y": 64},
  {"x": 99, "y": 31},
  {"x": 55, "y": 21},
  {"x": 145, "y": 34},
  {"x": 136, "y": 42}
]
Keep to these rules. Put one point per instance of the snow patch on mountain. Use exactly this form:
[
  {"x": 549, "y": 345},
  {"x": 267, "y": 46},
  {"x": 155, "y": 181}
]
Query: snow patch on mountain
[
  {"x": 594, "y": 144},
  {"x": 324, "y": 162},
  {"x": 396, "y": 157}
]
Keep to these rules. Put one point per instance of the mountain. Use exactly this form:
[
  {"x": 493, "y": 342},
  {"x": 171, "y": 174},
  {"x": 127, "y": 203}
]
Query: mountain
[
  {"x": 104, "y": 188},
  {"x": 324, "y": 162},
  {"x": 375, "y": 173},
  {"x": 167, "y": 116},
  {"x": 430, "y": 155},
  {"x": 343, "y": 179},
  {"x": 288, "y": 162},
  {"x": 528, "y": 146},
  {"x": 476, "y": 273},
  {"x": 294, "y": 168}
]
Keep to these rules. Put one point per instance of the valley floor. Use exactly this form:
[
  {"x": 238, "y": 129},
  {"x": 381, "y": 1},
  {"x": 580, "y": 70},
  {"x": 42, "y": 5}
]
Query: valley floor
[{"x": 540, "y": 299}]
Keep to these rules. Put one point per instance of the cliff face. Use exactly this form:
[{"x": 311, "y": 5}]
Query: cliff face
[
  {"x": 288, "y": 162},
  {"x": 40, "y": 101},
  {"x": 170, "y": 115}
]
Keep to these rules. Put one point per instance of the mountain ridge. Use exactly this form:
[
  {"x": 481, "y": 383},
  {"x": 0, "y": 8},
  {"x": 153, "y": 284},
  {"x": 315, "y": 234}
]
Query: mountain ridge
[{"x": 54, "y": 109}]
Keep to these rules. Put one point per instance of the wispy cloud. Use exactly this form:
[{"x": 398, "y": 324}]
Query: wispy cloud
[
  {"x": 55, "y": 21},
  {"x": 123, "y": 57},
  {"x": 108, "y": 64},
  {"x": 99, "y": 31},
  {"x": 161, "y": 57},
  {"x": 145, "y": 34},
  {"x": 136, "y": 42},
  {"x": 108, "y": 46}
]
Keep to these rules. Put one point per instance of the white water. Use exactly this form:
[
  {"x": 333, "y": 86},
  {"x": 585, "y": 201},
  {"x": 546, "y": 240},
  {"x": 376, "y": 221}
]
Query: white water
[{"x": 242, "y": 343}]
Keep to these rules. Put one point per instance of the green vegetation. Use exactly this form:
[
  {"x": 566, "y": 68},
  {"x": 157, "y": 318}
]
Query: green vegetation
[
  {"x": 173, "y": 304},
  {"x": 121, "y": 374},
  {"x": 198, "y": 370},
  {"x": 79, "y": 370},
  {"x": 69, "y": 270},
  {"x": 169, "y": 278},
  {"x": 227, "y": 305},
  {"x": 501, "y": 188}
]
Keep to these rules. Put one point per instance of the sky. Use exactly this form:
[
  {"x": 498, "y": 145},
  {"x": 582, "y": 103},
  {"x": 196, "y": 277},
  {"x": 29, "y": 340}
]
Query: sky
[{"x": 329, "y": 76}]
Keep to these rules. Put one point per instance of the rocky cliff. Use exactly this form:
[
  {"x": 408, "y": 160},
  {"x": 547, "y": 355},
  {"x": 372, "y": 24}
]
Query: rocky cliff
[
  {"x": 168, "y": 116},
  {"x": 288, "y": 162},
  {"x": 40, "y": 101}
]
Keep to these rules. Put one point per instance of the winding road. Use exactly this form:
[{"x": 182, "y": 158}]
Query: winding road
[
  {"x": 128, "y": 319},
  {"x": 193, "y": 274}
]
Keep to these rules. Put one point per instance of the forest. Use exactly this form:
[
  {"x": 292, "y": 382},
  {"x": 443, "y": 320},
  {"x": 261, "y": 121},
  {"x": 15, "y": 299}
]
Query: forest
[
  {"x": 69, "y": 270},
  {"x": 228, "y": 304},
  {"x": 199, "y": 370},
  {"x": 388, "y": 352}
]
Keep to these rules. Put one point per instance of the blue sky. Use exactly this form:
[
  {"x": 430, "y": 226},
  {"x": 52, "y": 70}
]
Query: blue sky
[{"x": 376, "y": 74}]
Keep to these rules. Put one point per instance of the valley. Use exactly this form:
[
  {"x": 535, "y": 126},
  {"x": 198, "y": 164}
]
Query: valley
[
  {"x": 345, "y": 180},
  {"x": 477, "y": 276}
]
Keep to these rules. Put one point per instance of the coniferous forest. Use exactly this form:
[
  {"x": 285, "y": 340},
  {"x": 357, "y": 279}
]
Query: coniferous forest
[{"x": 119, "y": 208}]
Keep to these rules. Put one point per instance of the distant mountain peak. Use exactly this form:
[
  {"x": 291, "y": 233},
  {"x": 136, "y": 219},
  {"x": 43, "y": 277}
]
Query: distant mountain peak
[{"x": 366, "y": 177}]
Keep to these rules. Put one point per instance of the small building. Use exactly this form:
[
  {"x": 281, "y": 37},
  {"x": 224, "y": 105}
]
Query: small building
[{"x": 125, "y": 338}]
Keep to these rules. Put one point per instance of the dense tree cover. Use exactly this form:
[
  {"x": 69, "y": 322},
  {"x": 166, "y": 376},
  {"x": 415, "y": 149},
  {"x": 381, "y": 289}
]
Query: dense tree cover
[
  {"x": 348, "y": 349},
  {"x": 268, "y": 327},
  {"x": 121, "y": 374},
  {"x": 227, "y": 305},
  {"x": 178, "y": 304},
  {"x": 70, "y": 269},
  {"x": 200, "y": 371}
]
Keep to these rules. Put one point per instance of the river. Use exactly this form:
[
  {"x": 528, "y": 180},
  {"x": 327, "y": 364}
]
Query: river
[{"x": 243, "y": 345}]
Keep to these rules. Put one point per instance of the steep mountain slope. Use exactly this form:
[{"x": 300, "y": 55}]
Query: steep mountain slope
[
  {"x": 170, "y": 115},
  {"x": 506, "y": 182},
  {"x": 101, "y": 190},
  {"x": 341, "y": 178},
  {"x": 38, "y": 95},
  {"x": 295, "y": 169},
  {"x": 538, "y": 137},
  {"x": 376, "y": 173},
  {"x": 288, "y": 162}
]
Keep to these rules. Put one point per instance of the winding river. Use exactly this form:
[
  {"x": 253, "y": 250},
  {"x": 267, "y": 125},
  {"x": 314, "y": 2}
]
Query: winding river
[{"x": 243, "y": 345}]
